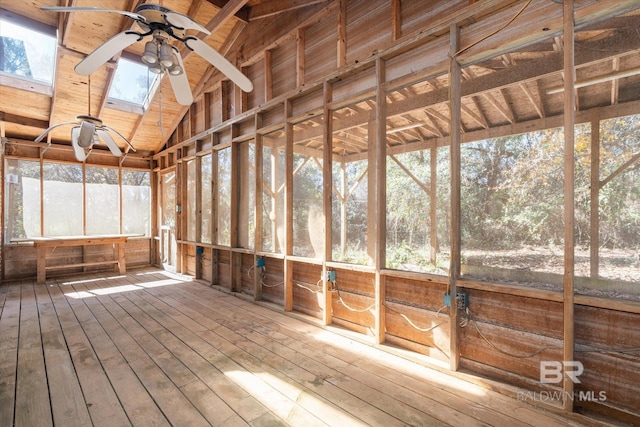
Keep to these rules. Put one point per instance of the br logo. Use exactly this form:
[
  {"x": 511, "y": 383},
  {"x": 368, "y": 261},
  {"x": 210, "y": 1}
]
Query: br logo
[{"x": 551, "y": 371}]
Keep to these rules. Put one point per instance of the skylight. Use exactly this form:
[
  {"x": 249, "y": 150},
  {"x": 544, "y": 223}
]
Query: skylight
[
  {"x": 26, "y": 53},
  {"x": 132, "y": 83}
]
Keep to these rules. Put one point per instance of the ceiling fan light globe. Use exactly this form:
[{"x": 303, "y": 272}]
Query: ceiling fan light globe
[
  {"x": 176, "y": 69},
  {"x": 150, "y": 55},
  {"x": 155, "y": 68},
  {"x": 166, "y": 55}
]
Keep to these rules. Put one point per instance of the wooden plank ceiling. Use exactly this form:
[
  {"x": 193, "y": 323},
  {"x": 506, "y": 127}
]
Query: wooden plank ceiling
[{"x": 28, "y": 109}]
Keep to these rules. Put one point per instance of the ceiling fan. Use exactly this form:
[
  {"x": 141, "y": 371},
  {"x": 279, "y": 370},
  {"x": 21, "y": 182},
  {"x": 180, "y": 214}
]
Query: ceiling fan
[
  {"x": 87, "y": 132},
  {"x": 162, "y": 25}
]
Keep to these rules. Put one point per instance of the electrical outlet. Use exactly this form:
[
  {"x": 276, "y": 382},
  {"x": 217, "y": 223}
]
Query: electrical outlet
[
  {"x": 461, "y": 298},
  {"x": 331, "y": 276},
  {"x": 260, "y": 262}
]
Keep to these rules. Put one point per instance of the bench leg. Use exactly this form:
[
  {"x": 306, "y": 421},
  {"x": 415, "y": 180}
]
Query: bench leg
[
  {"x": 121, "y": 267},
  {"x": 41, "y": 266}
]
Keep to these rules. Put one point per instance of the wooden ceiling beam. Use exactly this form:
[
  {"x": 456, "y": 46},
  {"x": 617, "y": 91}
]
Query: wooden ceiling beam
[
  {"x": 242, "y": 14},
  {"x": 22, "y": 120},
  {"x": 275, "y": 7}
]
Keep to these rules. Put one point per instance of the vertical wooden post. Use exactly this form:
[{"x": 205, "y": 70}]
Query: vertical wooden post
[
  {"x": 569, "y": 173},
  {"x": 380, "y": 189},
  {"x": 215, "y": 189},
  {"x": 344, "y": 189},
  {"x": 433, "y": 205},
  {"x": 455, "y": 107},
  {"x": 342, "y": 34},
  {"x": 594, "y": 216},
  {"x": 3, "y": 141},
  {"x": 257, "y": 279},
  {"x": 288, "y": 207},
  {"x": 181, "y": 187},
  {"x": 327, "y": 151},
  {"x": 268, "y": 76},
  {"x": 300, "y": 69},
  {"x": 235, "y": 258},
  {"x": 396, "y": 20},
  {"x": 372, "y": 191},
  {"x": 198, "y": 236}
]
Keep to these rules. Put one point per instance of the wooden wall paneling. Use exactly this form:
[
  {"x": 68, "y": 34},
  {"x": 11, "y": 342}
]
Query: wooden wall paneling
[
  {"x": 367, "y": 25},
  {"x": 569, "y": 194},
  {"x": 428, "y": 328},
  {"x": 273, "y": 277},
  {"x": 248, "y": 273},
  {"x": 224, "y": 268},
  {"x": 327, "y": 190},
  {"x": 288, "y": 221},
  {"x": 455, "y": 102},
  {"x": 321, "y": 49},
  {"x": 354, "y": 300},
  {"x": 307, "y": 291},
  {"x": 310, "y": 103},
  {"x": 284, "y": 65},
  {"x": 607, "y": 345},
  {"x": 414, "y": 18},
  {"x": 424, "y": 61}
]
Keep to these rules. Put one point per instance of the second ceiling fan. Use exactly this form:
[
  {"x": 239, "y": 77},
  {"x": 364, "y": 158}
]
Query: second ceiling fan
[{"x": 160, "y": 55}]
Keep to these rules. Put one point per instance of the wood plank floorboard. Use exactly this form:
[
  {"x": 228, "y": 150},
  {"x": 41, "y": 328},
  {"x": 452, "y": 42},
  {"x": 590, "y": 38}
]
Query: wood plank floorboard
[{"x": 151, "y": 348}]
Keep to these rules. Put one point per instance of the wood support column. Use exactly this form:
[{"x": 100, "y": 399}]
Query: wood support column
[
  {"x": 380, "y": 189},
  {"x": 258, "y": 234},
  {"x": 327, "y": 190},
  {"x": 455, "y": 131},
  {"x": 288, "y": 208},
  {"x": 433, "y": 205},
  {"x": 236, "y": 170},
  {"x": 594, "y": 215},
  {"x": 569, "y": 175}
]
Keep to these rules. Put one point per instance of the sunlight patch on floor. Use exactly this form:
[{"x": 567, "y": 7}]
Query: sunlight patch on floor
[
  {"x": 283, "y": 398},
  {"x": 397, "y": 363}
]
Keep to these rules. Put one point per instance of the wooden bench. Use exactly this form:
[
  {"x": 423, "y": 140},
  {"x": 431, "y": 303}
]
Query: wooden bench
[{"x": 42, "y": 243}]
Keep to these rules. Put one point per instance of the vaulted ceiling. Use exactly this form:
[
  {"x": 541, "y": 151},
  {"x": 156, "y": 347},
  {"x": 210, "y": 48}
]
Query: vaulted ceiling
[{"x": 27, "y": 108}]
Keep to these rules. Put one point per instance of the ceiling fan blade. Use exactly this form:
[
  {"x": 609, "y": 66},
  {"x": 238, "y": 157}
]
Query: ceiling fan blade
[
  {"x": 106, "y": 51},
  {"x": 180, "y": 83},
  {"x": 104, "y": 135},
  {"x": 179, "y": 20},
  {"x": 43, "y": 134},
  {"x": 131, "y": 15},
  {"x": 81, "y": 155},
  {"x": 220, "y": 62},
  {"x": 120, "y": 135}
]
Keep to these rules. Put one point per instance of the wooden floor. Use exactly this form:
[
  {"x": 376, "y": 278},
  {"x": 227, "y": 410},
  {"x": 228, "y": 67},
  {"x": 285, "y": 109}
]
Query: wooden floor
[{"x": 150, "y": 348}]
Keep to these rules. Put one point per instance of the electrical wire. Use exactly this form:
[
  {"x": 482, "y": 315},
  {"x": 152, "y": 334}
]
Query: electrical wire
[
  {"x": 272, "y": 285},
  {"x": 313, "y": 291},
  {"x": 249, "y": 271},
  {"x": 494, "y": 32},
  {"x": 405, "y": 317},
  {"x": 500, "y": 350},
  {"x": 355, "y": 310}
]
